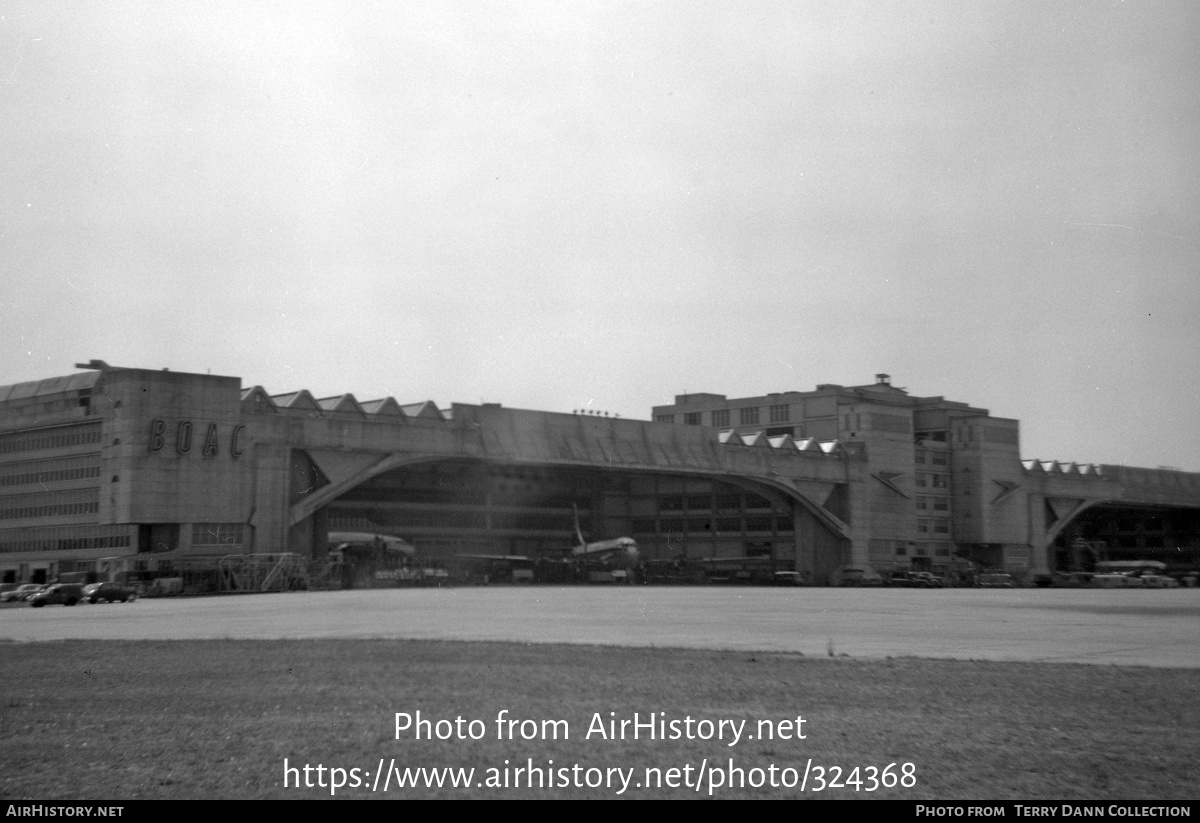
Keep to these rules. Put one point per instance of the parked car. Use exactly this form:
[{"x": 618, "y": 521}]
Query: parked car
[
  {"x": 1159, "y": 581},
  {"x": 899, "y": 578},
  {"x": 68, "y": 594},
  {"x": 1116, "y": 580},
  {"x": 1070, "y": 580},
  {"x": 787, "y": 578},
  {"x": 22, "y": 592},
  {"x": 926, "y": 580},
  {"x": 108, "y": 592},
  {"x": 996, "y": 580},
  {"x": 165, "y": 587},
  {"x": 851, "y": 576}
]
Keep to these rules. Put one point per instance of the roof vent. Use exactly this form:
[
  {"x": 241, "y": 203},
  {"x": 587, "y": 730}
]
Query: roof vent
[{"x": 883, "y": 379}]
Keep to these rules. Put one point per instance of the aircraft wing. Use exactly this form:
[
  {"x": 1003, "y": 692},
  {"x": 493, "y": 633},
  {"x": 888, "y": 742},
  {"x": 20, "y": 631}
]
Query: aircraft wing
[{"x": 503, "y": 558}]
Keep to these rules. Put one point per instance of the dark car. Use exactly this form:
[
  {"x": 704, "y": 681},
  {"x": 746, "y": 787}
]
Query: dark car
[
  {"x": 787, "y": 578},
  {"x": 108, "y": 592},
  {"x": 68, "y": 594},
  {"x": 856, "y": 577}
]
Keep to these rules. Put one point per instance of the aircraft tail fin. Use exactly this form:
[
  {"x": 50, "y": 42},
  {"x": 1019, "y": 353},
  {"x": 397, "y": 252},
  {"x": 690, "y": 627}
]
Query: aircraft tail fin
[{"x": 578, "y": 531}]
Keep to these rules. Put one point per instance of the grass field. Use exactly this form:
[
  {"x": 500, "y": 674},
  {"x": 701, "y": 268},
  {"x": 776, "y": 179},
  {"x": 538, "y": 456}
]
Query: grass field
[{"x": 216, "y": 719}]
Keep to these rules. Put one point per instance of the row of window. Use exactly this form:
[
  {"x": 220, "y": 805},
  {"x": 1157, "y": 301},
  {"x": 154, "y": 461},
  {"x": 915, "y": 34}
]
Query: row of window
[
  {"x": 50, "y": 504},
  {"x": 50, "y": 438},
  {"x": 53, "y": 544},
  {"x": 933, "y": 458},
  {"x": 938, "y": 551},
  {"x": 718, "y": 525},
  {"x": 932, "y": 526},
  {"x": 931, "y": 480},
  {"x": 706, "y": 502},
  {"x": 747, "y": 416},
  {"x": 937, "y": 504},
  {"x": 29, "y": 472}
]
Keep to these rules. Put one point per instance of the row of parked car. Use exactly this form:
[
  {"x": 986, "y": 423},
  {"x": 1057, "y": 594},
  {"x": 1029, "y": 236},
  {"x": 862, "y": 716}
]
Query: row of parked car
[
  {"x": 922, "y": 580},
  {"x": 68, "y": 594}
]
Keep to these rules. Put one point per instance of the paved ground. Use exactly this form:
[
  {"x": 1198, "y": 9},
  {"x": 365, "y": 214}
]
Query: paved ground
[{"x": 1125, "y": 627}]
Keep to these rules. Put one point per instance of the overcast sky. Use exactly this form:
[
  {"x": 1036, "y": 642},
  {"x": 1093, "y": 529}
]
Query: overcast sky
[{"x": 601, "y": 205}]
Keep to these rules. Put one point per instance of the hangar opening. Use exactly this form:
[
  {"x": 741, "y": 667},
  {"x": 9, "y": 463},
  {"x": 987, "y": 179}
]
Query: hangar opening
[
  {"x": 1122, "y": 532},
  {"x": 725, "y": 528}
]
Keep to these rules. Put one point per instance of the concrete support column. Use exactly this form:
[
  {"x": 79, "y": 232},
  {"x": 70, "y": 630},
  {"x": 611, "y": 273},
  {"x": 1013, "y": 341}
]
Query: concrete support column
[
  {"x": 804, "y": 541},
  {"x": 1039, "y": 554},
  {"x": 271, "y": 505}
]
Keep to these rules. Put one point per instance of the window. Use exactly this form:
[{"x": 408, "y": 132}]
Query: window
[
  {"x": 941, "y": 526},
  {"x": 720, "y": 418},
  {"x": 50, "y": 438},
  {"x": 50, "y": 504},
  {"x": 664, "y": 418},
  {"x": 941, "y": 481},
  {"x": 941, "y": 504},
  {"x": 938, "y": 459},
  {"x": 923, "y": 526},
  {"x": 919, "y": 480},
  {"x": 691, "y": 418},
  {"x": 779, "y": 413},
  {"x": 759, "y": 524},
  {"x": 922, "y": 503},
  {"x": 748, "y": 416},
  {"x": 38, "y": 472}
]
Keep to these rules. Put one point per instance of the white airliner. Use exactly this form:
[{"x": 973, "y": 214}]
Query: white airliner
[
  {"x": 365, "y": 540},
  {"x": 621, "y": 552}
]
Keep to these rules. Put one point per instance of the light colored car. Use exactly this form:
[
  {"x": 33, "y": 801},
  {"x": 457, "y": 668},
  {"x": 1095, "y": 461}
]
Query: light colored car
[
  {"x": 20, "y": 593},
  {"x": 996, "y": 580},
  {"x": 1116, "y": 580}
]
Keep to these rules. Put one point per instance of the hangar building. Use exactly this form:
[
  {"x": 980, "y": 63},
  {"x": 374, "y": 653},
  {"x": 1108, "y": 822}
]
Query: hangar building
[{"x": 173, "y": 470}]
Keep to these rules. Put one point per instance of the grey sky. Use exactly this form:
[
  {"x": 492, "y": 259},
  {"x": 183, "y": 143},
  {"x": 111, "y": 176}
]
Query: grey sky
[{"x": 555, "y": 205}]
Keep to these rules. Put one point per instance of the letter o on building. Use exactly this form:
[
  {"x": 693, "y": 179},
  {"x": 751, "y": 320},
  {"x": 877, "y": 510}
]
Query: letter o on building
[{"x": 183, "y": 437}]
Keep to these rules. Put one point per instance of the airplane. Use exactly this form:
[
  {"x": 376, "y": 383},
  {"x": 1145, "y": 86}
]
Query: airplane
[
  {"x": 621, "y": 552},
  {"x": 623, "y": 549},
  {"x": 367, "y": 540}
]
